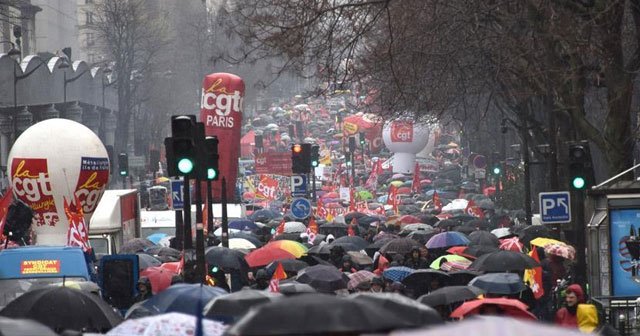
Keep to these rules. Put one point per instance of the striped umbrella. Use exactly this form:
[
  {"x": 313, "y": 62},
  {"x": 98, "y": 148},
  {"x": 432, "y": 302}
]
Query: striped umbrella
[
  {"x": 291, "y": 246},
  {"x": 457, "y": 265},
  {"x": 397, "y": 273},
  {"x": 511, "y": 244}
]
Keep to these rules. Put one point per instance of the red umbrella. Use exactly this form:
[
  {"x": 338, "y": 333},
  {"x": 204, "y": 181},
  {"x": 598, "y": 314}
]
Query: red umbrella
[
  {"x": 511, "y": 244},
  {"x": 460, "y": 250},
  {"x": 266, "y": 255},
  {"x": 409, "y": 219},
  {"x": 159, "y": 276},
  {"x": 509, "y": 307},
  {"x": 331, "y": 194},
  {"x": 404, "y": 190},
  {"x": 172, "y": 266}
]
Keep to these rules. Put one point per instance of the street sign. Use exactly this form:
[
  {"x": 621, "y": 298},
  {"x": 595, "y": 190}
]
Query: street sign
[
  {"x": 555, "y": 207},
  {"x": 480, "y": 173},
  {"x": 298, "y": 185},
  {"x": 177, "y": 190},
  {"x": 300, "y": 208}
]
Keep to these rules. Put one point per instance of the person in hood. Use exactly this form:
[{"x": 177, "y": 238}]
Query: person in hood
[
  {"x": 347, "y": 265},
  {"x": 567, "y": 316},
  {"x": 414, "y": 259},
  {"x": 144, "y": 290},
  {"x": 262, "y": 280}
]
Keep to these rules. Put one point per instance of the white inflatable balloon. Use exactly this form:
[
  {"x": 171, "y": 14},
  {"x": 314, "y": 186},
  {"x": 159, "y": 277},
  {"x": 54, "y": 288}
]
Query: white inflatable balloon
[
  {"x": 404, "y": 139},
  {"x": 53, "y": 160}
]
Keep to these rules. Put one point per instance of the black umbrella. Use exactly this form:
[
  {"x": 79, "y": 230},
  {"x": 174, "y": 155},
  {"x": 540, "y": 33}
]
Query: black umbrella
[
  {"x": 162, "y": 251},
  {"x": 504, "y": 261},
  {"x": 499, "y": 283},
  {"x": 467, "y": 230},
  {"x": 62, "y": 308},
  {"x": 146, "y": 261},
  {"x": 532, "y": 232},
  {"x": 479, "y": 250},
  {"x": 462, "y": 277},
  {"x": 480, "y": 224},
  {"x": 320, "y": 249},
  {"x": 462, "y": 219},
  {"x": 135, "y": 245},
  {"x": 400, "y": 246},
  {"x": 350, "y": 216},
  {"x": 323, "y": 278},
  {"x": 330, "y": 315},
  {"x": 263, "y": 215},
  {"x": 21, "y": 327},
  {"x": 350, "y": 243},
  {"x": 295, "y": 236},
  {"x": 366, "y": 221},
  {"x": 226, "y": 258},
  {"x": 483, "y": 238},
  {"x": 450, "y": 294},
  {"x": 289, "y": 265},
  {"x": 295, "y": 288},
  {"x": 227, "y": 308},
  {"x": 415, "y": 313},
  {"x": 421, "y": 237},
  {"x": 447, "y": 224},
  {"x": 423, "y": 277}
]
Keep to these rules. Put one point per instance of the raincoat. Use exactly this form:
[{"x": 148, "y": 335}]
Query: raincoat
[{"x": 567, "y": 316}]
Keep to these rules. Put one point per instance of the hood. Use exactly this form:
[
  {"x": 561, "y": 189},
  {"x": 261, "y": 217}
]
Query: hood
[{"x": 577, "y": 290}]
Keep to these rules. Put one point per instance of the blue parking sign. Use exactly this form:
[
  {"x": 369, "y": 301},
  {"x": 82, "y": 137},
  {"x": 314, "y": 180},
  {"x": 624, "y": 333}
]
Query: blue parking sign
[
  {"x": 555, "y": 207},
  {"x": 177, "y": 192}
]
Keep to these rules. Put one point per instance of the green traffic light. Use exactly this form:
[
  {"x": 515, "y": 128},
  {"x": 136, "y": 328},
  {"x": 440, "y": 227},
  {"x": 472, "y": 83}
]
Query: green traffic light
[
  {"x": 578, "y": 182},
  {"x": 314, "y": 163},
  {"x": 496, "y": 171},
  {"x": 185, "y": 166},
  {"x": 211, "y": 174},
  {"x": 123, "y": 173}
]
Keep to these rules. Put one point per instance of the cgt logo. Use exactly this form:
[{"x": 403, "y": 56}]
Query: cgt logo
[
  {"x": 31, "y": 181},
  {"x": 261, "y": 160},
  {"x": 401, "y": 132}
]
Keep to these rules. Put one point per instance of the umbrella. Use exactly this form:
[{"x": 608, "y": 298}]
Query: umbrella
[
  {"x": 294, "y": 227},
  {"x": 404, "y": 190},
  {"x": 511, "y": 244},
  {"x": 320, "y": 249},
  {"x": 450, "y": 257},
  {"x": 289, "y": 265},
  {"x": 502, "y": 232},
  {"x": 447, "y": 224},
  {"x": 397, "y": 273},
  {"x": 359, "y": 277},
  {"x": 227, "y": 308},
  {"x": 418, "y": 227},
  {"x": 455, "y": 265},
  {"x": 248, "y": 236},
  {"x": 542, "y": 242},
  {"x": 294, "y": 288},
  {"x": 155, "y": 238},
  {"x": 450, "y": 294},
  {"x": 350, "y": 216},
  {"x": 499, "y": 283},
  {"x": 462, "y": 277},
  {"x": 423, "y": 277},
  {"x": 365, "y": 195},
  {"x": 396, "y": 183},
  {"x": 323, "y": 278},
  {"x": 483, "y": 238},
  {"x": 162, "y": 251},
  {"x": 240, "y": 244},
  {"x": 562, "y": 250},
  {"x": 159, "y": 277},
  {"x": 171, "y": 324},
  {"x": 360, "y": 258},
  {"x": 243, "y": 225},
  {"x": 398, "y": 176},
  {"x": 504, "y": 261},
  {"x": 266, "y": 255},
  {"x": 331, "y": 315},
  {"x": 447, "y": 239},
  {"x": 21, "y": 327},
  {"x": 479, "y": 250},
  {"x": 510, "y": 307},
  {"x": 493, "y": 326},
  {"x": 263, "y": 215},
  {"x": 400, "y": 246},
  {"x": 479, "y": 224},
  {"x": 225, "y": 258},
  {"x": 182, "y": 298},
  {"x": 146, "y": 261},
  {"x": 409, "y": 219},
  {"x": 293, "y": 247},
  {"x": 61, "y": 308},
  {"x": 135, "y": 245},
  {"x": 531, "y": 232},
  {"x": 350, "y": 243},
  {"x": 415, "y": 313}
]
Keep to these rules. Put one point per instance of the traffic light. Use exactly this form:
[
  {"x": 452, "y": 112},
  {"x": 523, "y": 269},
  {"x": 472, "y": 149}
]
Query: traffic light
[
  {"x": 581, "y": 174},
  {"x": 347, "y": 158},
  {"x": 352, "y": 144},
  {"x": 212, "y": 158},
  {"x": 301, "y": 158},
  {"x": 315, "y": 156},
  {"x": 181, "y": 147},
  {"x": 123, "y": 164},
  {"x": 496, "y": 169},
  {"x": 363, "y": 140}
]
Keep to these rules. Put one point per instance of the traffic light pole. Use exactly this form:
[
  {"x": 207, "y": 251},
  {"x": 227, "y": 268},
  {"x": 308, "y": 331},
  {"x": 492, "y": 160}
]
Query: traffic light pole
[
  {"x": 200, "y": 264},
  {"x": 179, "y": 231},
  {"x": 580, "y": 236},
  {"x": 313, "y": 184},
  {"x": 186, "y": 208},
  {"x": 209, "y": 209},
  {"x": 225, "y": 218}
]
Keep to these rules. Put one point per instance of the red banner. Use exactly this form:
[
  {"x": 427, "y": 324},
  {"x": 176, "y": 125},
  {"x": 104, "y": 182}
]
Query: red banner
[
  {"x": 32, "y": 185},
  {"x": 267, "y": 188},
  {"x": 94, "y": 176},
  {"x": 221, "y": 112},
  {"x": 276, "y": 163},
  {"x": 78, "y": 233},
  {"x": 401, "y": 131}
]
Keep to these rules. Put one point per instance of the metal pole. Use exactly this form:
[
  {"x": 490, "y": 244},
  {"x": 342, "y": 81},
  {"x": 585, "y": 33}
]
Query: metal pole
[
  {"x": 186, "y": 208},
  {"x": 313, "y": 184},
  {"x": 225, "y": 219},
  {"x": 65, "y": 86},
  {"x": 200, "y": 264},
  {"x": 580, "y": 236},
  {"x": 15, "y": 101},
  {"x": 527, "y": 173},
  {"x": 179, "y": 230},
  {"x": 209, "y": 208}
]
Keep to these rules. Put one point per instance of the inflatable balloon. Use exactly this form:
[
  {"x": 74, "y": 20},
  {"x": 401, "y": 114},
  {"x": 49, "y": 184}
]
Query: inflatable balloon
[
  {"x": 52, "y": 160},
  {"x": 404, "y": 139}
]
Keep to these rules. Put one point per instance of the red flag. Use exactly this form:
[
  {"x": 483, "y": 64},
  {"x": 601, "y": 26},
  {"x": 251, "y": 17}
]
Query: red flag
[
  {"x": 78, "y": 233},
  {"x": 350, "y": 231},
  {"x": 280, "y": 229},
  {"x": 313, "y": 226},
  {"x": 320, "y": 209},
  {"x": 392, "y": 195},
  {"x": 415, "y": 184},
  {"x": 352, "y": 199},
  {"x": 473, "y": 210},
  {"x": 533, "y": 277},
  {"x": 435, "y": 200},
  {"x": 372, "y": 181},
  {"x": 5, "y": 202},
  {"x": 278, "y": 274}
]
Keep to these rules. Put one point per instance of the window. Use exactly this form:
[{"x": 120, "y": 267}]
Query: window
[
  {"x": 90, "y": 39},
  {"x": 89, "y": 16}
]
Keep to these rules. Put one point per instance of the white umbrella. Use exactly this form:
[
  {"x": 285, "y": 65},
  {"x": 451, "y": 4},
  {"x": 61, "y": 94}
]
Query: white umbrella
[
  {"x": 456, "y": 204},
  {"x": 294, "y": 227},
  {"x": 501, "y": 232},
  {"x": 271, "y": 127},
  {"x": 240, "y": 244},
  {"x": 171, "y": 324}
]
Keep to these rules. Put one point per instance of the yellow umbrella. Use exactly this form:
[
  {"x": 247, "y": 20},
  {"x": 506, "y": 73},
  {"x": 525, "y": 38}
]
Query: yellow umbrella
[
  {"x": 542, "y": 242},
  {"x": 396, "y": 183}
]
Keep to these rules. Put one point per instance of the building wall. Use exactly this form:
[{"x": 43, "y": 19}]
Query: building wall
[{"x": 56, "y": 26}]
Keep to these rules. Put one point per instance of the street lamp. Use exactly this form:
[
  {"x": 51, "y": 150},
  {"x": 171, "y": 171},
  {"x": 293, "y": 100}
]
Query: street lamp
[
  {"x": 106, "y": 82},
  {"x": 65, "y": 65}
]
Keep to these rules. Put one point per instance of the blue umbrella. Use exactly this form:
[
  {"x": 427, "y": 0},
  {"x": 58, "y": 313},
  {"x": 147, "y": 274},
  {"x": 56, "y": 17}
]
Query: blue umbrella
[
  {"x": 243, "y": 225},
  {"x": 383, "y": 199},
  {"x": 397, "y": 273},
  {"x": 447, "y": 239},
  {"x": 182, "y": 298},
  {"x": 263, "y": 215},
  {"x": 499, "y": 283},
  {"x": 155, "y": 238}
]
